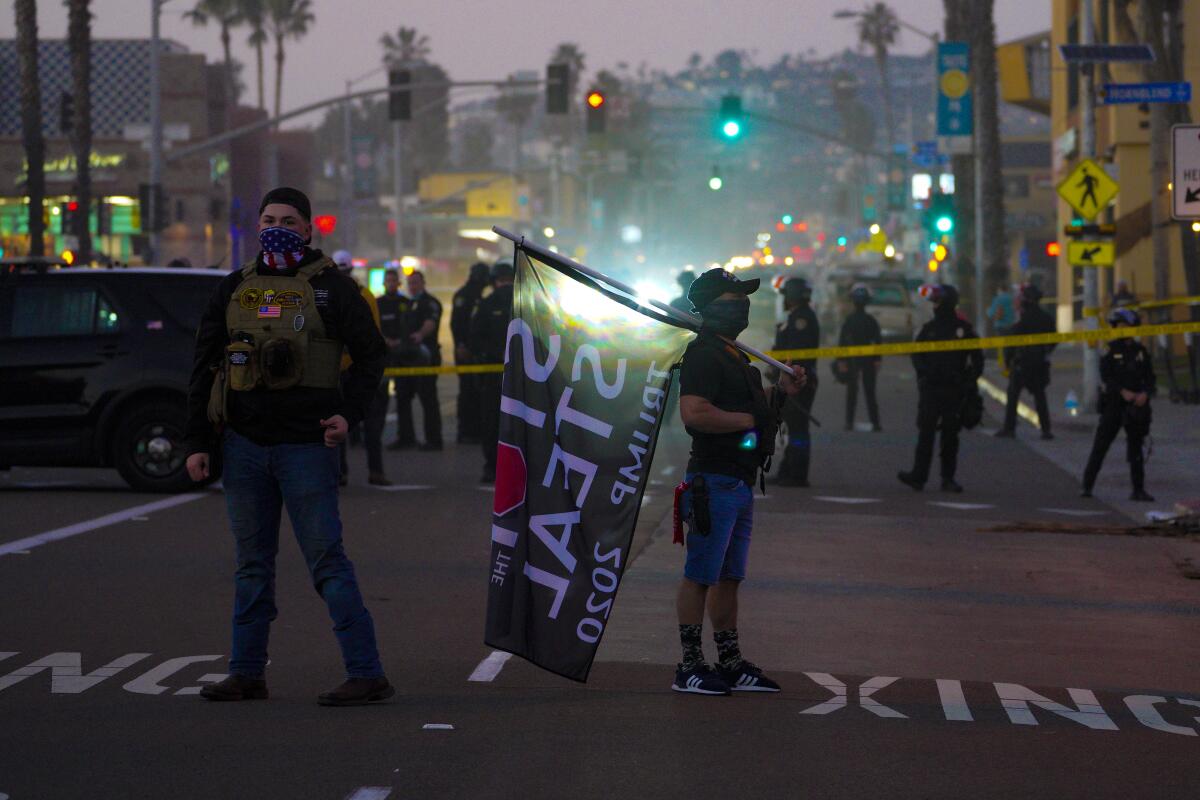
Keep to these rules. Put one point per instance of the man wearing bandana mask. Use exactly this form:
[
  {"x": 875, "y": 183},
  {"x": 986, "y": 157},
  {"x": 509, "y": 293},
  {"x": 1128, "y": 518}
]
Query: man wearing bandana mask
[
  {"x": 266, "y": 394},
  {"x": 731, "y": 420}
]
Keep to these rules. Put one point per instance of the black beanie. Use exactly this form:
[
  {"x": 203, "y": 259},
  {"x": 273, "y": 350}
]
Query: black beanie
[{"x": 290, "y": 197}]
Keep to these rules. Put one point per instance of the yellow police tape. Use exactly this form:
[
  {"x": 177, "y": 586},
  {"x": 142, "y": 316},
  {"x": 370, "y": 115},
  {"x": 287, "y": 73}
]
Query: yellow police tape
[{"x": 898, "y": 349}]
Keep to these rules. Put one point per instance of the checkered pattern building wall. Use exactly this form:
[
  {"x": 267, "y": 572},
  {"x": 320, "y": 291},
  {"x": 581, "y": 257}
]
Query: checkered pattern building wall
[{"x": 120, "y": 84}]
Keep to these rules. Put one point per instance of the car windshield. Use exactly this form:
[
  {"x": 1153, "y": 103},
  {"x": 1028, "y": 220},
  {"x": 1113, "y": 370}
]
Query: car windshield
[{"x": 887, "y": 294}]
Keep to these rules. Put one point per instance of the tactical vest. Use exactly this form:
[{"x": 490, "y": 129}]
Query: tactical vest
[{"x": 277, "y": 338}]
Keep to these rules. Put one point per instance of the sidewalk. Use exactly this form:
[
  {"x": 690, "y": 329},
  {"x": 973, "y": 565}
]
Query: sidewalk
[{"x": 1173, "y": 471}]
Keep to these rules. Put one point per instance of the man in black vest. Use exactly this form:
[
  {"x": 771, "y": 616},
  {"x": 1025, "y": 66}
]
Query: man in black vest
[
  {"x": 801, "y": 331},
  {"x": 465, "y": 301},
  {"x": 424, "y": 319},
  {"x": 732, "y": 421},
  {"x": 281, "y": 416},
  {"x": 1029, "y": 366}
]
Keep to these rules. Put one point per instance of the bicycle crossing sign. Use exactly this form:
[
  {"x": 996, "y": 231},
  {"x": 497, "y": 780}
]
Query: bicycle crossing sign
[
  {"x": 1088, "y": 189},
  {"x": 1092, "y": 254}
]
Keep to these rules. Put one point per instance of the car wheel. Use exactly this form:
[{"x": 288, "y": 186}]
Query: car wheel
[{"x": 148, "y": 448}]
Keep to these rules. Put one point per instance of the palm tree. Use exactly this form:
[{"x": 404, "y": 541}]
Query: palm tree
[
  {"x": 406, "y": 47},
  {"x": 569, "y": 53},
  {"x": 987, "y": 139},
  {"x": 31, "y": 122},
  {"x": 958, "y": 29},
  {"x": 226, "y": 14},
  {"x": 877, "y": 29},
  {"x": 286, "y": 19},
  {"x": 253, "y": 14},
  {"x": 79, "y": 43}
]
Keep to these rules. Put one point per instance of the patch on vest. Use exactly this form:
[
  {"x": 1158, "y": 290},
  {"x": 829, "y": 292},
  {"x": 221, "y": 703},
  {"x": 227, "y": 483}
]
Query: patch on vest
[
  {"x": 250, "y": 298},
  {"x": 801, "y": 323},
  {"x": 239, "y": 358},
  {"x": 289, "y": 299},
  {"x": 321, "y": 297}
]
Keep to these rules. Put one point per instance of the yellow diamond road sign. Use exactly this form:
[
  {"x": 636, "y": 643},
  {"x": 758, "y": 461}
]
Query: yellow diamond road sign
[
  {"x": 1091, "y": 254},
  {"x": 1088, "y": 189}
]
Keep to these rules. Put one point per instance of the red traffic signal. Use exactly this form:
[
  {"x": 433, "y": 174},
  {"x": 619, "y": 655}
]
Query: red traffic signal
[
  {"x": 1053, "y": 249},
  {"x": 326, "y": 223}
]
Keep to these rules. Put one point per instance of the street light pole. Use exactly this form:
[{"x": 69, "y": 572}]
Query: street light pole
[
  {"x": 1087, "y": 147},
  {"x": 152, "y": 213}
]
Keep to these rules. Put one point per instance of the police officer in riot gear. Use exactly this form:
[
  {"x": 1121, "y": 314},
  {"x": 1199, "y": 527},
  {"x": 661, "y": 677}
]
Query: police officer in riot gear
[
  {"x": 1029, "y": 366},
  {"x": 423, "y": 320},
  {"x": 489, "y": 337},
  {"x": 465, "y": 301},
  {"x": 860, "y": 328},
  {"x": 801, "y": 331},
  {"x": 943, "y": 381},
  {"x": 1128, "y": 383},
  {"x": 265, "y": 389}
]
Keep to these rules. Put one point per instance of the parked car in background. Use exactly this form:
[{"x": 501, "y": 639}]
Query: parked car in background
[
  {"x": 94, "y": 369},
  {"x": 891, "y": 304}
]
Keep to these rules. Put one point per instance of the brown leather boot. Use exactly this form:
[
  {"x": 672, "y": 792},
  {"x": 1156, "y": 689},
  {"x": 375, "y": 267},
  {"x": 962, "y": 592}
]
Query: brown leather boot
[
  {"x": 358, "y": 692},
  {"x": 236, "y": 687}
]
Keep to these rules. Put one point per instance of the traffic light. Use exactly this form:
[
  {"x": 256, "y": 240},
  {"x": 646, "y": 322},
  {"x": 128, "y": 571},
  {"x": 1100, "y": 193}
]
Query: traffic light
[
  {"x": 1053, "y": 249},
  {"x": 715, "y": 183},
  {"x": 66, "y": 112},
  {"x": 325, "y": 223},
  {"x": 153, "y": 207},
  {"x": 399, "y": 100},
  {"x": 69, "y": 217},
  {"x": 939, "y": 218},
  {"x": 596, "y": 111},
  {"x": 731, "y": 117},
  {"x": 558, "y": 84}
]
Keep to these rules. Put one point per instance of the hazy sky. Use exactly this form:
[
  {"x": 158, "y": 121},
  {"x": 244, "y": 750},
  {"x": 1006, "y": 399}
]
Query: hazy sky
[{"x": 483, "y": 40}]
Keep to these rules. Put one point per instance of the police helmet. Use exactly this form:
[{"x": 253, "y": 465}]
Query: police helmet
[
  {"x": 860, "y": 295},
  {"x": 796, "y": 290},
  {"x": 1030, "y": 294},
  {"x": 479, "y": 272},
  {"x": 343, "y": 260},
  {"x": 503, "y": 268},
  {"x": 1124, "y": 316},
  {"x": 684, "y": 279},
  {"x": 943, "y": 294}
]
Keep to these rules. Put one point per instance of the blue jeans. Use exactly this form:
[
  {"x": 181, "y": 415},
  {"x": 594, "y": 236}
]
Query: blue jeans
[
  {"x": 259, "y": 481},
  {"x": 722, "y": 553}
]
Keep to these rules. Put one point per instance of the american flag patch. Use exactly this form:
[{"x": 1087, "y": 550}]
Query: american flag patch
[{"x": 269, "y": 312}]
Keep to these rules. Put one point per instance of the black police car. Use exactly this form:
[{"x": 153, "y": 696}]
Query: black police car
[{"x": 94, "y": 369}]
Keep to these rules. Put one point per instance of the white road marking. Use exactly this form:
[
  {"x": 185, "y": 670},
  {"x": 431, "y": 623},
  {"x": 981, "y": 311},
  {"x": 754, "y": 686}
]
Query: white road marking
[
  {"x": 954, "y": 702},
  {"x": 849, "y": 501},
  {"x": 1074, "y": 512},
  {"x": 490, "y": 667},
  {"x": 100, "y": 522},
  {"x": 437, "y": 726},
  {"x": 370, "y": 793},
  {"x": 402, "y": 487},
  {"x": 668, "y": 471},
  {"x": 961, "y": 506}
]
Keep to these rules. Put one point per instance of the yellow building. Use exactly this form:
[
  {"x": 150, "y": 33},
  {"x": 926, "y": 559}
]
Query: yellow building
[{"x": 1122, "y": 146}]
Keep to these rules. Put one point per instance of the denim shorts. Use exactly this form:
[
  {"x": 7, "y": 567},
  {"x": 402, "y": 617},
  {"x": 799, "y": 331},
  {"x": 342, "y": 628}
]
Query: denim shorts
[{"x": 722, "y": 554}]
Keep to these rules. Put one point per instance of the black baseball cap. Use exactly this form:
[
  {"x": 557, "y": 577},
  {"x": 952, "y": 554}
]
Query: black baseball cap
[
  {"x": 289, "y": 197},
  {"x": 716, "y": 282}
]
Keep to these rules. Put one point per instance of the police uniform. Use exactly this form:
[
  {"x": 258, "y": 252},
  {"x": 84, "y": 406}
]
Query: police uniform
[
  {"x": 801, "y": 331},
  {"x": 489, "y": 336},
  {"x": 1126, "y": 364},
  {"x": 860, "y": 328},
  {"x": 464, "y": 303},
  {"x": 1029, "y": 368},
  {"x": 422, "y": 308},
  {"x": 943, "y": 379},
  {"x": 372, "y": 428},
  {"x": 393, "y": 319},
  {"x": 266, "y": 372}
]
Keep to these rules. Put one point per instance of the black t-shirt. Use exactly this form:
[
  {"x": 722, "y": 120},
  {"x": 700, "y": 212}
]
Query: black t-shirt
[
  {"x": 392, "y": 311},
  {"x": 719, "y": 373},
  {"x": 426, "y": 308}
]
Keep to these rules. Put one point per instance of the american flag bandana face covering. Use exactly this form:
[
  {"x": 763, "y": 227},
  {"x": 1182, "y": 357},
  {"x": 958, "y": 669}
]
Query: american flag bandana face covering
[{"x": 282, "y": 248}]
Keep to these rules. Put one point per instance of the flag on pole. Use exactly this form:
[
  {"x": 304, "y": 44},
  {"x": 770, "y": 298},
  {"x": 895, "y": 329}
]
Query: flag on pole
[{"x": 586, "y": 374}]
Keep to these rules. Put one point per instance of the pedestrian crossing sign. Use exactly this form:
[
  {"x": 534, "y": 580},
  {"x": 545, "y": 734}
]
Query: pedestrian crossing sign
[
  {"x": 1088, "y": 189},
  {"x": 1091, "y": 254}
]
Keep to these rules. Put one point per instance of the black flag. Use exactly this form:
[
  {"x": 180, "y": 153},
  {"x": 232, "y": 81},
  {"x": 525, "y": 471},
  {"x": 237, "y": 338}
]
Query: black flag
[{"x": 585, "y": 385}]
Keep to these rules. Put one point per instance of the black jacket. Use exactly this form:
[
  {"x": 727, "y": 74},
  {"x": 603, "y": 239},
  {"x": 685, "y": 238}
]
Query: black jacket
[
  {"x": 465, "y": 301},
  {"x": 1126, "y": 364},
  {"x": 957, "y": 368},
  {"x": 426, "y": 308},
  {"x": 489, "y": 326},
  {"x": 801, "y": 331},
  {"x": 289, "y": 416},
  {"x": 1030, "y": 358},
  {"x": 860, "y": 328}
]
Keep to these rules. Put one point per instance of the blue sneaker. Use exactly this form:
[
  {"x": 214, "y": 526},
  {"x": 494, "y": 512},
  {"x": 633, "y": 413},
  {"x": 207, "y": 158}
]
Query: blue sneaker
[
  {"x": 700, "y": 680},
  {"x": 747, "y": 678}
]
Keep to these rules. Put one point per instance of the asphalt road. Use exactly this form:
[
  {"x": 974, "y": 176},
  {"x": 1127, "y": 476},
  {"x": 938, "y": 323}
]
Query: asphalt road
[{"x": 996, "y": 663}]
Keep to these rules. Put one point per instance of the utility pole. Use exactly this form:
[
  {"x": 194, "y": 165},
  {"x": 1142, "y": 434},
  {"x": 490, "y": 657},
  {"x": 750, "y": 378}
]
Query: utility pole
[
  {"x": 397, "y": 187},
  {"x": 151, "y": 215},
  {"x": 1087, "y": 148},
  {"x": 979, "y": 315},
  {"x": 347, "y": 183}
]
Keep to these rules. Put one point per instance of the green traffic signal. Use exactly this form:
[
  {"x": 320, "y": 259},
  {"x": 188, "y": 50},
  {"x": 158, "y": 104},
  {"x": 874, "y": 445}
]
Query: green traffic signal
[
  {"x": 944, "y": 224},
  {"x": 715, "y": 183},
  {"x": 731, "y": 116},
  {"x": 732, "y": 129}
]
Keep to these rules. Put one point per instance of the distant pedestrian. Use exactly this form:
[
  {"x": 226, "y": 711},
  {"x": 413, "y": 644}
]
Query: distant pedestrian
[
  {"x": 393, "y": 321},
  {"x": 1029, "y": 365},
  {"x": 684, "y": 280},
  {"x": 266, "y": 373},
  {"x": 1128, "y": 383},
  {"x": 423, "y": 321},
  {"x": 1001, "y": 312},
  {"x": 489, "y": 338},
  {"x": 466, "y": 299},
  {"x": 372, "y": 425},
  {"x": 801, "y": 331},
  {"x": 860, "y": 328},
  {"x": 943, "y": 382},
  {"x": 1122, "y": 296}
]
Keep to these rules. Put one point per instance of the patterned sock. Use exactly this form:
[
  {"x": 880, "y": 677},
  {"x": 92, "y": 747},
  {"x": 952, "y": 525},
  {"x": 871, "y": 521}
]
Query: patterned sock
[
  {"x": 729, "y": 655},
  {"x": 691, "y": 637}
]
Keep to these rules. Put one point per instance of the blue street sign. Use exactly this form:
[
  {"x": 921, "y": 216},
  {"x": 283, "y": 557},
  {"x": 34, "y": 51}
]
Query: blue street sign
[
  {"x": 1172, "y": 92},
  {"x": 954, "y": 107},
  {"x": 1084, "y": 53}
]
